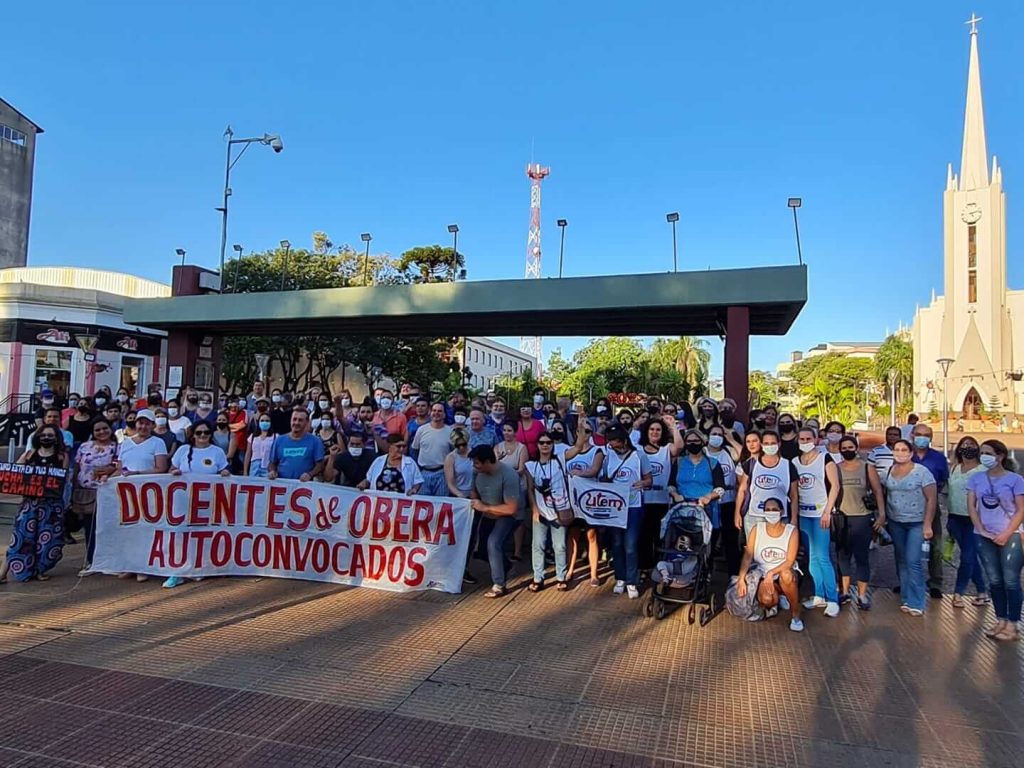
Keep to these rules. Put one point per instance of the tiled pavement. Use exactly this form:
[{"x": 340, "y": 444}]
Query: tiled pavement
[{"x": 260, "y": 673}]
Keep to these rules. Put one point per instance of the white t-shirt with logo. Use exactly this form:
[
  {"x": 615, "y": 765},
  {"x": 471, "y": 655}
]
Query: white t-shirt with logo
[
  {"x": 204, "y": 461},
  {"x": 139, "y": 457},
  {"x": 627, "y": 469}
]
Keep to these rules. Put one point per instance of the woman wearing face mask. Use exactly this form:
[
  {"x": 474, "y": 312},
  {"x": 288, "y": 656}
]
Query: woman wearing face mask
[
  {"x": 37, "y": 535},
  {"x": 834, "y": 432},
  {"x": 70, "y": 409},
  {"x": 586, "y": 461},
  {"x": 699, "y": 479},
  {"x": 623, "y": 463},
  {"x": 995, "y": 499},
  {"x": 344, "y": 406},
  {"x": 662, "y": 443},
  {"x": 789, "y": 447},
  {"x": 529, "y": 430},
  {"x": 329, "y": 436},
  {"x": 221, "y": 433},
  {"x": 966, "y": 463},
  {"x": 204, "y": 411},
  {"x": 129, "y": 427},
  {"x": 163, "y": 431},
  {"x": 258, "y": 446},
  {"x": 766, "y": 476},
  {"x": 80, "y": 423},
  {"x": 817, "y": 494},
  {"x": 771, "y": 549},
  {"x": 910, "y": 499},
  {"x": 178, "y": 422},
  {"x": 547, "y": 484},
  {"x": 460, "y": 415},
  {"x": 857, "y": 477},
  {"x": 708, "y": 410},
  {"x": 122, "y": 397},
  {"x": 718, "y": 451}
]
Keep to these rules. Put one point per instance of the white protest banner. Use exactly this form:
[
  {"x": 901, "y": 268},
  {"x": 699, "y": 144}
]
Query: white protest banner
[
  {"x": 203, "y": 525},
  {"x": 600, "y": 503}
]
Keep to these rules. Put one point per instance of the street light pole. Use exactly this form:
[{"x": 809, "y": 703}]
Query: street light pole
[
  {"x": 945, "y": 362},
  {"x": 271, "y": 140},
  {"x": 794, "y": 203},
  {"x": 366, "y": 238},
  {"x": 672, "y": 218},
  {"x": 238, "y": 262},
  {"x": 454, "y": 229},
  {"x": 562, "y": 224},
  {"x": 284, "y": 272}
]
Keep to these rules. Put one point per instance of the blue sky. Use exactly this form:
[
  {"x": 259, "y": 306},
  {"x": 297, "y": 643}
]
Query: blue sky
[{"x": 399, "y": 118}]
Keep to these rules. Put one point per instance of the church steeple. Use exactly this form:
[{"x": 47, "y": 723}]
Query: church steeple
[{"x": 974, "y": 156}]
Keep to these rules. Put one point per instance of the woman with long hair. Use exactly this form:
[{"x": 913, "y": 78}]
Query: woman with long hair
[
  {"x": 817, "y": 495},
  {"x": 995, "y": 499},
  {"x": 910, "y": 505},
  {"x": 765, "y": 476},
  {"x": 37, "y": 536},
  {"x": 258, "y": 445},
  {"x": 587, "y": 461},
  {"x": 513, "y": 452},
  {"x": 624, "y": 464},
  {"x": 966, "y": 463},
  {"x": 707, "y": 415},
  {"x": 661, "y": 441},
  {"x": 857, "y": 477},
  {"x": 95, "y": 461}
]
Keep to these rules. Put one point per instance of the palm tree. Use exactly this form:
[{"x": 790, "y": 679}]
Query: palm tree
[
  {"x": 689, "y": 356},
  {"x": 895, "y": 356}
]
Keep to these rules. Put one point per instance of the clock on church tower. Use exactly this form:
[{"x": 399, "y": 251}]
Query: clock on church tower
[{"x": 971, "y": 213}]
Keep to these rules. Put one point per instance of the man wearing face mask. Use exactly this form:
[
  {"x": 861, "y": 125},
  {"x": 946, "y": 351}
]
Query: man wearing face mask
[
  {"x": 46, "y": 401},
  {"x": 538, "y": 403},
  {"x": 388, "y": 421},
  {"x": 349, "y": 467},
  {"x": 935, "y": 462}
]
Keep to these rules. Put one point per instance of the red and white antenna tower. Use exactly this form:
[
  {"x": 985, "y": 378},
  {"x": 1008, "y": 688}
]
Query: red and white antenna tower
[{"x": 537, "y": 173}]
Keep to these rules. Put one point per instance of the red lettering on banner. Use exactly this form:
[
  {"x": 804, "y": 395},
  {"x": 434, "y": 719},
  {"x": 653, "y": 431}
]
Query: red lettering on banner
[
  {"x": 359, "y": 516},
  {"x": 177, "y": 555},
  {"x": 328, "y": 515},
  {"x": 445, "y": 524},
  {"x": 239, "y": 559},
  {"x": 128, "y": 495},
  {"x": 422, "y": 515},
  {"x": 152, "y": 496},
  {"x": 396, "y": 565},
  {"x": 262, "y": 550},
  {"x": 357, "y": 567},
  {"x": 418, "y": 571},
  {"x": 283, "y": 551},
  {"x": 220, "y": 549},
  {"x": 156, "y": 551},
  {"x": 172, "y": 518},
  {"x": 321, "y": 556},
  {"x": 224, "y": 498},
  {"x": 401, "y": 530},
  {"x": 302, "y": 549},
  {"x": 336, "y": 552},
  {"x": 200, "y": 502},
  {"x": 251, "y": 493},
  {"x": 381, "y": 518},
  {"x": 378, "y": 561},
  {"x": 201, "y": 537},
  {"x": 275, "y": 506},
  {"x": 298, "y": 501}
]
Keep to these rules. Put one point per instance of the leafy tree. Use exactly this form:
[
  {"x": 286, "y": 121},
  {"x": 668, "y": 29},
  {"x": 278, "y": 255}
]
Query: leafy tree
[
  {"x": 764, "y": 388},
  {"x": 689, "y": 356},
  {"x": 832, "y": 386},
  {"x": 558, "y": 368},
  {"x": 604, "y": 365},
  {"x": 896, "y": 356},
  {"x": 431, "y": 264}
]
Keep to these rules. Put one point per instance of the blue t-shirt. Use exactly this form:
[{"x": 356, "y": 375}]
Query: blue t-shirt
[
  {"x": 295, "y": 458},
  {"x": 935, "y": 463}
]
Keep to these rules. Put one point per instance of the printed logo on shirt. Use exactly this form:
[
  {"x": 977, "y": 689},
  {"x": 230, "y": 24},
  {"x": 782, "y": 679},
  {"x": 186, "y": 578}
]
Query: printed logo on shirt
[
  {"x": 766, "y": 482},
  {"x": 207, "y": 462},
  {"x": 657, "y": 468},
  {"x": 988, "y": 501},
  {"x": 624, "y": 474},
  {"x": 770, "y": 554},
  {"x": 807, "y": 482},
  {"x": 293, "y": 452}
]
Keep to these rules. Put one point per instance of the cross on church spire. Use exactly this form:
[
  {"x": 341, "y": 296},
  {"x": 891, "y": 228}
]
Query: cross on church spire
[{"x": 973, "y": 21}]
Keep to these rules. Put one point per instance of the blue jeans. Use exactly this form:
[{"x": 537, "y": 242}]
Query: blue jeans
[
  {"x": 1002, "y": 566},
  {"x": 907, "y": 539},
  {"x": 817, "y": 541},
  {"x": 961, "y": 529},
  {"x": 434, "y": 484},
  {"x": 541, "y": 530},
  {"x": 625, "y": 548},
  {"x": 503, "y": 527}
]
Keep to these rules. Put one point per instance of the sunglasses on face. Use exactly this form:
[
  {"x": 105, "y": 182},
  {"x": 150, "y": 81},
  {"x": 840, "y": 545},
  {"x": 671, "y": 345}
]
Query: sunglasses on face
[
  {"x": 202, "y": 433},
  {"x": 545, "y": 442},
  {"x": 460, "y": 445}
]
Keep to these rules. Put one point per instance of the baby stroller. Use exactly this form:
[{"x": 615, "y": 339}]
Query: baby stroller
[{"x": 683, "y": 574}]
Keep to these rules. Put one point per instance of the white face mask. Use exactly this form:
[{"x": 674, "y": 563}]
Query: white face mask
[
  {"x": 324, "y": 403},
  {"x": 161, "y": 421},
  {"x": 770, "y": 450},
  {"x": 460, "y": 418},
  {"x": 99, "y": 400},
  {"x": 325, "y": 423},
  {"x": 356, "y": 451},
  {"x": 386, "y": 403},
  {"x": 275, "y": 398},
  {"x": 173, "y": 412},
  {"x": 538, "y": 400},
  {"x": 346, "y": 401},
  {"x": 47, "y": 401},
  {"x": 122, "y": 398},
  {"x": 806, "y": 447},
  {"x": 716, "y": 441},
  {"x": 772, "y": 516},
  {"x": 833, "y": 437}
]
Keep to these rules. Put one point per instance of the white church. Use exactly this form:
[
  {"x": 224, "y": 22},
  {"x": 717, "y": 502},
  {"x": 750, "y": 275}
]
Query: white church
[{"x": 974, "y": 323}]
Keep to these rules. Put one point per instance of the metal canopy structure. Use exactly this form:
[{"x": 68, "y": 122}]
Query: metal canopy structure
[{"x": 680, "y": 303}]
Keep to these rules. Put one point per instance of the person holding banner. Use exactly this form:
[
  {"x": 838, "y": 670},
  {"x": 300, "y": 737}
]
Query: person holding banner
[
  {"x": 200, "y": 456},
  {"x": 547, "y": 485},
  {"x": 37, "y": 536},
  {"x": 495, "y": 495},
  {"x": 458, "y": 467},
  {"x": 586, "y": 462},
  {"x": 394, "y": 472},
  {"x": 625, "y": 464},
  {"x": 258, "y": 445},
  {"x": 96, "y": 460}
]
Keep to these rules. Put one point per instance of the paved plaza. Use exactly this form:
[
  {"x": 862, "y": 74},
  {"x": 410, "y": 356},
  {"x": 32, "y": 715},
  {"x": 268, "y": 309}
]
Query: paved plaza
[{"x": 257, "y": 673}]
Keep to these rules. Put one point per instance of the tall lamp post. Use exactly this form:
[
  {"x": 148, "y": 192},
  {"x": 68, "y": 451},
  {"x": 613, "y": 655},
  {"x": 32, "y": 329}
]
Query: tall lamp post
[
  {"x": 238, "y": 262},
  {"x": 181, "y": 253},
  {"x": 562, "y": 224},
  {"x": 794, "y": 203},
  {"x": 284, "y": 272},
  {"x": 366, "y": 237},
  {"x": 271, "y": 140},
  {"x": 672, "y": 218},
  {"x": 454, "y": 230},
  {"x": 945, "y": 362}
]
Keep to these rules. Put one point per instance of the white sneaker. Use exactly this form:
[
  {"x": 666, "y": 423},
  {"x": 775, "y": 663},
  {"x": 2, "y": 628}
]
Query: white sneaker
[
  {"x": 831, "y": 609},
  {"x": 814, "y": 602},
  {"x": 620, "y": 587},
  {"x": 796, "y": 625},
  {"x": 633, "y": 592},
  {"x": 783, "y": 602},
  {"x": 771, "y": 612}
]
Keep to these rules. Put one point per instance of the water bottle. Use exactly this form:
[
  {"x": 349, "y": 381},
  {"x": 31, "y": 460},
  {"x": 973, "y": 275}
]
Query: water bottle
[{"x": 926, "y": 550}]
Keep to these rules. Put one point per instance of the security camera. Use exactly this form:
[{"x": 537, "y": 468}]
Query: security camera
[{"x": 276, "y": 144}]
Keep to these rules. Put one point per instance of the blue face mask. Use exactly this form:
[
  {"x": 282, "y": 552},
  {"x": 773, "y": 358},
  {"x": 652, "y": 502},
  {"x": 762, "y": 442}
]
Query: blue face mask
[{"x": 921, "y": 441}]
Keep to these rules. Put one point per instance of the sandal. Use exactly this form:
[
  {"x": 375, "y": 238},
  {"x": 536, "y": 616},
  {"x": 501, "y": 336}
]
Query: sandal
[
  {"x": 1009, "y": 634},
  {"x": 982, "y": 599},
  {"x": 536, "y": 586},
  {"x": 562, "y": 586},
  {"x": 958, "y": 601},
  {"x": 994, "y": 631},
  {"x": 495, "y": 591},
  {"x": 42, "y": 577},
  {"x": 595, "y": 582}
]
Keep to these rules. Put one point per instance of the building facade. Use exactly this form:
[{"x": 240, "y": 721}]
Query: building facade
[
  {"x": 17, "y": 162},
  {"x": 61, "y": 328},
  {"x": 972, "y": 325},
  {"x": 489, "y": 360}
]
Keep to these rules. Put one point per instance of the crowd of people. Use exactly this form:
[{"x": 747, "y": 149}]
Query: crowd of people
[{"x": 786, "y": 497}]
